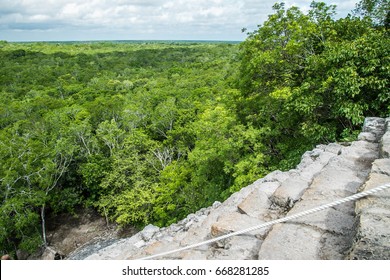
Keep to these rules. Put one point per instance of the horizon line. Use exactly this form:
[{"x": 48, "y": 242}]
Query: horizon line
[{"x": 122, "y": 40}]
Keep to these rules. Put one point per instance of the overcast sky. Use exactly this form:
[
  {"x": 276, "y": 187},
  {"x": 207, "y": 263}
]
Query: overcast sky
[{"x": 64, "y": 20}]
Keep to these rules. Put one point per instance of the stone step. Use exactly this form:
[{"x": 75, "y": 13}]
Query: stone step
[
  {"x": 373, "y": 217},
  {"x": 373, "y": 212},
  {"x": 276, "y": 193},
  {"x": 385, "y": 141},
  {"x": 327, "y": 234}
]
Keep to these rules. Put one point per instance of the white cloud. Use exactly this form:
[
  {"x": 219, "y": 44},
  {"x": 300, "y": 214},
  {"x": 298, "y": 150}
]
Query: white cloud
[{"x": 130, "y": 19}]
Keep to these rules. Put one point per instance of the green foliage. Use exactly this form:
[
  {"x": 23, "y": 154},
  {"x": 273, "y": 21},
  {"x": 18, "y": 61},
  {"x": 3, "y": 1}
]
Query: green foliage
[
  {"x": 376, "y": 10},
  {"x": 314, "y": 79},
  {"x": 115, "y": 127}
]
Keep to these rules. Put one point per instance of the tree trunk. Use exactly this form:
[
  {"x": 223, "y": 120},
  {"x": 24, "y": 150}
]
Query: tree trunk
[{"x": 43, "y": 225}]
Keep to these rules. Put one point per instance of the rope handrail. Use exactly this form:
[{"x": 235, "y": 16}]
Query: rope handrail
[{"x": 271, "y": 223}]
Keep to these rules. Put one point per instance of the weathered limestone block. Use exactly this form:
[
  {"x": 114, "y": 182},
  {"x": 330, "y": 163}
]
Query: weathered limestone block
[
  {"x": 291, "y": 242},
  {"x": 336, "y": 177},
  {"x": 336, "y": 220},
  {"x": 269, "y": 188},
  {"x": 335, "y": 247},
  {"x": 374, "y": 125},
  {"x": 359, "y": 156},
  {"x": 308, "y": 170},
  {"x": 148, "y": 232},
  {"x": 237, "y": 248},
  {"x": 157, "y": 247},
  {"x": 119, "y": 250},
  {"x": 332, "y": 148},
  {"x": 235, "y": 222},
  {"x": 381, "y": 166},
  {"x": 193, "y": 255},
  {"x": 290, "y": 191},
  {"x": 231, "y": 203},
  {"x": 373, "y": 237},
  {"x": 276, "y": 176},
  {"x": 255, "y": 205},
  {"x": 384, "y": 145}
]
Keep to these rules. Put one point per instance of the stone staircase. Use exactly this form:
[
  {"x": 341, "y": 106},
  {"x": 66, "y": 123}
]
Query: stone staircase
[{"x": 352, "y": 230}]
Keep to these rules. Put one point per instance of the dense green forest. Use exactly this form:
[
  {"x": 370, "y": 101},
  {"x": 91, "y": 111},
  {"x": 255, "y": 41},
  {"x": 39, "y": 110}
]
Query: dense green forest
[{"x": 150, "y": 132}]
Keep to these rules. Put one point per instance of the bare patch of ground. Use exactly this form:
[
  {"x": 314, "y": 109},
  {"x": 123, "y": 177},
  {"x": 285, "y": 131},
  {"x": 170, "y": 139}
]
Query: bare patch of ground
[{"x": 67, "y": 232}]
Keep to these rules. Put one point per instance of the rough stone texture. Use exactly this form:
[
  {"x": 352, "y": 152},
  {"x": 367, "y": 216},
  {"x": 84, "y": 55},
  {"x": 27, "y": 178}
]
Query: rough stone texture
[
  {"x": 373, "y": 237},
  {"x": 148, "y": 232},
  {"x": 373, "y": 213},
  {"x": 255, "y": 205},
  {"x": 290, "y": 191},
  {"x": 328, "y": 228},
  {"x": 325, "y": 174},
  {"x": 375, "y": 126},
  {"x": 244, "y": 246},
  {"x": 234, "y": 222},
  {"x": 291, "y": 242},
  {"x": 385, "y": 141}
]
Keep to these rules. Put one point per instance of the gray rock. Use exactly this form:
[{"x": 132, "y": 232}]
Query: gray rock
[
  {"x": 216, "y": 204},
  {"x": 384, "y": 146},
  {"x": 235, "y": 222},
  {"x": 309, "y": 171},
  {"x": 290, "y": 191},
  {"x": 140, "y": 244},
  {"x": 188, "y": 225},
  {"x": 359, "y": 155},
  {"x": 118, "y": 250},
  {"x": 156, "y": 247},
  {"x": 327, "y": 230},
  {"x": 255, "y": 205},
  {"x": 191, "y": 217},
  {"x": 269, "y": 188},
  {"x": 381, "y": 166},
  {"x": 276, "y": 176},
  {"x": 336, "y": 177},
  {"x": 237, "y": 247},
  {"x": 175, "y": 228},
  {"x": 193, "y": 255},
  {"x": 293, "y": 242},
  {"x": 373, "y": 237},
  {"x": 368, "y": 136},
  {"x": 335, "y": 247},
  {"x": 148, "y": 232},
  {"x": 374, "y": 125},
  {"x": 333, "y": 148}
]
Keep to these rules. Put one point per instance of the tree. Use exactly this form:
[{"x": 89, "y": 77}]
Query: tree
[
  {"x": 214, "y": 156},
  {"x": 348, "y": 81},
  {"x": 308, "y": 78},
  {"x": 274, "y": 59},
  {"x": 126, "y": 189},
  {"x": 377, "y": 10},
  {"x": 117, "y": 127},
  {"x": 111, "y": 135}
]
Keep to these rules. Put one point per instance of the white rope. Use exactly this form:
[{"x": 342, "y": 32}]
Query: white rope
[{"x": 285, "y": 219}]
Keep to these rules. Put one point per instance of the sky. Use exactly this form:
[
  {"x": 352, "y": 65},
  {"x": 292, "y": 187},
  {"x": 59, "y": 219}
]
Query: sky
[{"x": 84, "y": 20}]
